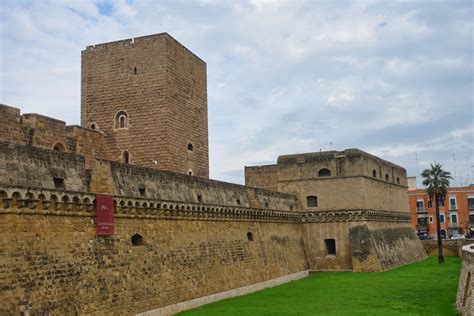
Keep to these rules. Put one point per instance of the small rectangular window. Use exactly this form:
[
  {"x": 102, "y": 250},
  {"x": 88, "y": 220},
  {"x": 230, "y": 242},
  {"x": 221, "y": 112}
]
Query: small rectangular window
[
  {"x": 431, "y": 219},
  {"x": 330, "y": 246},
  {"x": 142, "y": 191},
  {"x": 430, "y": 204},
  {"x": 58, "y": 183},
  {"x": 312, "y": 201},
  {"x": 454, "y": 218},
  {"x": 441, "y": 218}
]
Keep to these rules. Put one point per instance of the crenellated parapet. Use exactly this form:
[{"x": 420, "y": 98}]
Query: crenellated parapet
[
  {"x": 26, "y": 200},
  {"x": 56, "y": 202},
  {"x": 354, "y": 215}
]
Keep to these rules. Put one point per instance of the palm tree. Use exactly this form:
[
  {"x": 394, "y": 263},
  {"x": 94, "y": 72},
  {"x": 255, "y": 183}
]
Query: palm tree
[{"x": 437, "y": 182}]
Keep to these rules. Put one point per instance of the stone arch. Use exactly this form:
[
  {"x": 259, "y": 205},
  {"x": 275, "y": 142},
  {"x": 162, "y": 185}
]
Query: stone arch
[
  {"x": 324, "y": 172},
  {"x": 59, "y": 147},
  {"x": 121, "y": 120}
]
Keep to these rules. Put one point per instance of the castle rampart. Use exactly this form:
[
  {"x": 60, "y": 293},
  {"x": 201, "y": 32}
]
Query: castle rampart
[{"x": 178, "y": 236}]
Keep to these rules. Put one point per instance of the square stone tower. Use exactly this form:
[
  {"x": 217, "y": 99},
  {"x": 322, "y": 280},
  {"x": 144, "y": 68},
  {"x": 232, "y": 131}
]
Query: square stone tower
[{"x": 148, "y": 95}]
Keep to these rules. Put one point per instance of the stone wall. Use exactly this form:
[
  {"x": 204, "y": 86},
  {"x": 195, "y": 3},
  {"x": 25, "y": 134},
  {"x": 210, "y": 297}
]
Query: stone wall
[
  {"x": 378, "y": 246},
  {"x": 134, "y": 181},
  {"x": 34, "y": 167},
  {"x": 364, "y": 240},
  {"x": 464, "y": 298},
  {"x": 47, "y": 133},
  {"x": 162, "y": 88},
  {"x": 53, "y": 263},
  {"x": 265, "y": 177},
  {"x": 451, "y": 247}
]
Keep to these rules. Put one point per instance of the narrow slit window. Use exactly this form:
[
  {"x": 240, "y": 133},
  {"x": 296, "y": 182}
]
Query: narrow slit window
[{"x": 126, "y": 157}]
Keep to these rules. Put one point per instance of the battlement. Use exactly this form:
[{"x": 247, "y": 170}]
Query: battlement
[
  {"x": 131, "y": 42},
  {"x": 40, "y": 201}
]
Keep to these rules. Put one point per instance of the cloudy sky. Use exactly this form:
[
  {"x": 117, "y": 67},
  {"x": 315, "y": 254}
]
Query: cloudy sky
[{"x": 393, "y": 79}]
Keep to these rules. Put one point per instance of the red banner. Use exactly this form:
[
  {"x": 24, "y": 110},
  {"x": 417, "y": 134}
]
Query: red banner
[{"x": 105, "y": 215}]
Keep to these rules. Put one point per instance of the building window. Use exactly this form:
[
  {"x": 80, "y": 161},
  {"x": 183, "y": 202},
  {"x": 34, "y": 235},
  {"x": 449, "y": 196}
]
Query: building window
[
  {"x": 59, "y": 147},
  {"x": 398, "y": 180},
  {"x": 441, "y": 217},
  {"x": 190, "y": 172},
  {"x": 386, "y": 177},
  {"x": 93, "y": 126},
  {"x": 452, "y": 203},
  {"x": 142, "y": 191},
  {"x": 199, "y": 198},
  {"x": 135, "y": 71},
  {"x": 324, "y": 172},
  {"x": 121, "y": 120},
  {"x": 190, "y": 147},
  {"x": 330, "y": 246},
  {"x": 312, "y": 201},
  {"x": 430, "y": 203},
  {"x": 374, "y": 173},
  {"x": 431, "y": 219},
  {"x": 454, "y": 218},
  {"x": 137, "y": 240},
  {"x": 420, "y": 207},
  {"x": 126, "y": 157},
  {"x": 441, "y": 201}
]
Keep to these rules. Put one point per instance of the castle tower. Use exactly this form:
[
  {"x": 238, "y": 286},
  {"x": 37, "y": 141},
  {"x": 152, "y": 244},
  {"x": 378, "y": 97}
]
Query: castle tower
[{"x": 148, "y": 95}]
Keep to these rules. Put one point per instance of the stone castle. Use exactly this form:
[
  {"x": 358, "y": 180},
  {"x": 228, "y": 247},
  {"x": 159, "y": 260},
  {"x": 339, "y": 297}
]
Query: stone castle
[{"x": 180, "y": 239}]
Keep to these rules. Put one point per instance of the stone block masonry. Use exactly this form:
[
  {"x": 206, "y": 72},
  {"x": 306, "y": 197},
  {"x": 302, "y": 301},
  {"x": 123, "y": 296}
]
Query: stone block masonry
[
  {"x": 161, "y": 89},
  {"x": 465, "y": 298},
  {"x": 53, "y": 263}
]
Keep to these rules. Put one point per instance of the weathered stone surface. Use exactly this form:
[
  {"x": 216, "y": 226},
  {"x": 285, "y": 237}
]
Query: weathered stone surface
[{"x": 464, "y": 297}]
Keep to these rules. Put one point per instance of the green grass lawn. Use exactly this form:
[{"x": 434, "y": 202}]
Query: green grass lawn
[{"x": 423, "y": 288}]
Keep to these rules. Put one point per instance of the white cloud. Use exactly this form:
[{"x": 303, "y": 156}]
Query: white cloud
[{"x": 283, "y": 76}]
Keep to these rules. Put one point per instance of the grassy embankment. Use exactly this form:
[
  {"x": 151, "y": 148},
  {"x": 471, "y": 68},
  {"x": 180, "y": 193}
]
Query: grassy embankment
[{"x": 423, "y": 288}]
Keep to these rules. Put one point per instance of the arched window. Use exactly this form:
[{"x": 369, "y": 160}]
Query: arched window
[
  {"x": 58, "y": 147},
  {"x": 374, "y": 173},
  {"x": 121, "y": 120},
  {"x": 93, "y": 126},
  {"x": 312, "y": 201},
  {"x": 386, "y": 177},
  {"x": 190, "y": 147},
  {"x": 398, "y": 180},
  {"x": 126, "y": 157},
  {"x": 137, "y": 240},
  {"x": 324, "y": 172}
]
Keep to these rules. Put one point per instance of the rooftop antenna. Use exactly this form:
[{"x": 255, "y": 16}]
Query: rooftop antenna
[
  {"x": 454, "y": 168},
  {"x": 416, "y": 163}
]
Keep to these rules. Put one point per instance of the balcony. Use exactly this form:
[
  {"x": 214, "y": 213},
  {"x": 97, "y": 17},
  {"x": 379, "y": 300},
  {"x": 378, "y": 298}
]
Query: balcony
[
  {"x": 454, "y": 225},
  {"x": 421, "y": 209},
  {"x": 422, "y": 228}
]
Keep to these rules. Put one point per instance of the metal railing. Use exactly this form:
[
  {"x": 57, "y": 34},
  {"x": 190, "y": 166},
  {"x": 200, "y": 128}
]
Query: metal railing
[{"x": 420, "y": 209}]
